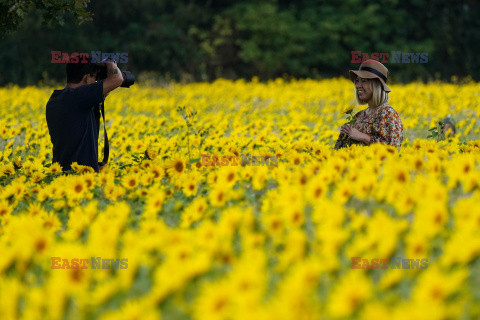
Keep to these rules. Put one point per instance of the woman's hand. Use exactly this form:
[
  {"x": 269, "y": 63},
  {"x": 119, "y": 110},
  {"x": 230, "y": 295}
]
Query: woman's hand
[
  {"x": 355, "y": 134},
  {"x": 345, "y": 129}
]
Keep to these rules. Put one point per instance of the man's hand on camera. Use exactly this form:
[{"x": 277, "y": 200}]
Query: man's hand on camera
[
  {"x": 105, "y": 62},
  {"x": 114, "y": 77},
  {"x": 112, "y": 68}
]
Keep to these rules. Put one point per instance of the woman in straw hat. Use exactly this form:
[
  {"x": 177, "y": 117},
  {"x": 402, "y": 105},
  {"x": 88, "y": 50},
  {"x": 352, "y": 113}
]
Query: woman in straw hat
[{"x": 379, "y": 122}]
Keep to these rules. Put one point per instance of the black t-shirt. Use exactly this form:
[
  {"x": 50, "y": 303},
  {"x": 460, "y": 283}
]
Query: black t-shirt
[{"x": 73, "y": 119}]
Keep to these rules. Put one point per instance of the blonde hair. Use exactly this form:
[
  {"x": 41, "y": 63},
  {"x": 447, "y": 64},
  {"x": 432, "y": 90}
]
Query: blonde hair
[{"x": 379, "y": 96}]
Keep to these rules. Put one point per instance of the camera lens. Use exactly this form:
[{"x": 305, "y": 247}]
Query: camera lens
[{"x": 128, "y": 79}]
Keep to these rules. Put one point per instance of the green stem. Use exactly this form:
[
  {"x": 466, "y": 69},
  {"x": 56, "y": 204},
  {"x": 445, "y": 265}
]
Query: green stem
[{"x": 188, "y": 142}]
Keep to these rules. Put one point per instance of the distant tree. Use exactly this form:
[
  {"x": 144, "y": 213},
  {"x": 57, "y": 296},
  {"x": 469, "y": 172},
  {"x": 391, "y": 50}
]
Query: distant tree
[
  {"x": 12, "y": 12},
  {"x": 203, "y": 40}
]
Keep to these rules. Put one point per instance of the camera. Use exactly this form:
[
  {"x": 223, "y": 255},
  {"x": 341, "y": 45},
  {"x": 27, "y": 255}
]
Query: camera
[{"x": 128, "y": 77}]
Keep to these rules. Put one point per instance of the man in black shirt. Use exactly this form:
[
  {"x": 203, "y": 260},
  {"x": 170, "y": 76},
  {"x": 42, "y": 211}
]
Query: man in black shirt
[{"x": 73, "y": 113}]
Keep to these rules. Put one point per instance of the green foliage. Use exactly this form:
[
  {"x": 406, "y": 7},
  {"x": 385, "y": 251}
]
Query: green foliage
[
  {"x": 351, "y": 118},
  {"x": 190, "y": 118},
  {"x": 437, "y": 131},
  {"x": 12, "y": 12},
  {"x": 273, "y": 41},
  {"x": 204, "y": 40}
]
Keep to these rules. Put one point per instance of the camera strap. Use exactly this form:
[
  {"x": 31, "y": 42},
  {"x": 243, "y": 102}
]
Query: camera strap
[{"x": 106, "y": 148}]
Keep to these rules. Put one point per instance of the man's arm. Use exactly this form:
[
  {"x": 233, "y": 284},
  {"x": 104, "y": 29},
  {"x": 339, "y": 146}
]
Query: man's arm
[{"x": 114, "y": 78}]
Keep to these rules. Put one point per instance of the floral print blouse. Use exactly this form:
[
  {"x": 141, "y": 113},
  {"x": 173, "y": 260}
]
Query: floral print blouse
[{"x": 383, "y": 125}]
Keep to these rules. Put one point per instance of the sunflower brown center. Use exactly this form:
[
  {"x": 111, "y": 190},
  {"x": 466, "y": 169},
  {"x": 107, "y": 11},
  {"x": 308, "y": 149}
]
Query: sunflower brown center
[
  {"x": 40, "y": 245},
  {"x": 78, "y": 188},
  {"x": 179, "y": 167}
]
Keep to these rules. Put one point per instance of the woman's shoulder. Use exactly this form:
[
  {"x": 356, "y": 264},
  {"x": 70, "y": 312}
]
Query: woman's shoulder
[{"x": 386, "y": 109}]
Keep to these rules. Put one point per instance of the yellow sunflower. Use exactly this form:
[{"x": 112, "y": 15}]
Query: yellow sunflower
[
  {"x": 51, "y": 222},
  {"x": 5, "y": 209},
  {"x": 8, "y": 169},
  {"x": 130, "y": 181},
  {"x": 190, "y": 188},
  {"x": 154, "y": 202},
  {"x": 227, "y": 176},
  {"x": 55, "y": 168},
  {"x": 77, "y": 188},
  {"x": 217, "y": 197},
  {"x": 215, "y": 302},
  {"x": 35, "y": 209},
  {"x": 176, "y": 166},
  {"x": 78, "y": 168},
  {"x": 157, "y": 171},
  {"x": 37, "y": 176}
]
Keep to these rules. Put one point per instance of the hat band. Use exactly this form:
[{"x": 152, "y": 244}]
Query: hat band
[{"x": 374, "y": 71}]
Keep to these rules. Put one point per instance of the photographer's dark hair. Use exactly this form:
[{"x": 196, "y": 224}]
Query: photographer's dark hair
[{"x": 76, "y": 71}]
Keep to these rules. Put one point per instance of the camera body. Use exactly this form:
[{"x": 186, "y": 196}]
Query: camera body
[{"x": 128, "y": 77}]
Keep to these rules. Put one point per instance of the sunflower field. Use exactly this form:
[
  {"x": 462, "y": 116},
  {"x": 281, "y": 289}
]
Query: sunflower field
[{"x": 316, "y": 234}]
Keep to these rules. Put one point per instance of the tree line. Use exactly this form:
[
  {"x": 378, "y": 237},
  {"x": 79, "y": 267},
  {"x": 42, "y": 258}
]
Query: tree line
[{"x": 204, "y": 40}]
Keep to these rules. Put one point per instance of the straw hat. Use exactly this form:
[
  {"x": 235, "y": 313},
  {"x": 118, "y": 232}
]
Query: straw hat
[{"x": 371, "y": 69}]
